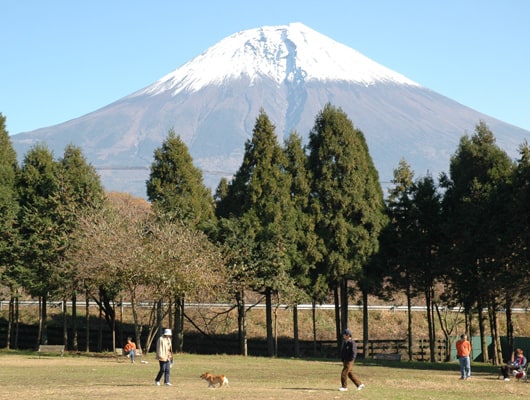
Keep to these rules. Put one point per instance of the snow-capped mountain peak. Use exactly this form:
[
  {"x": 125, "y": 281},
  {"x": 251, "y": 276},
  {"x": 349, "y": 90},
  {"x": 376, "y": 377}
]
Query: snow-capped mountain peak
[
  {"x": 289, "y": 71},
  {"x": 283, "y": 53}
]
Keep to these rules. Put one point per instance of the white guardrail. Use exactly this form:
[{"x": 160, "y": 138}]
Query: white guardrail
[{"x": 4, "y": 304}]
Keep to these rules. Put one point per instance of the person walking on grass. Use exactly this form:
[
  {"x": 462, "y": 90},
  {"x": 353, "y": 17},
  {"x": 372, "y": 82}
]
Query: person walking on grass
[
  {"x": 164, "y": 355},
  {"x": 348, "y": 353},
  {"x": 463, "y": 351}
]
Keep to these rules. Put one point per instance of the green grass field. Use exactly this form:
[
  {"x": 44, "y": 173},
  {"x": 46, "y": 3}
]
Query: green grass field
[{"x": 25, "y": 376}]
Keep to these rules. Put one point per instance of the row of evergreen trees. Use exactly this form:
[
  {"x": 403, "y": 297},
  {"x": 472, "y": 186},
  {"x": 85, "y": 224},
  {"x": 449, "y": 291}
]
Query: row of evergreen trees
[{"x": 296, "y": 223}]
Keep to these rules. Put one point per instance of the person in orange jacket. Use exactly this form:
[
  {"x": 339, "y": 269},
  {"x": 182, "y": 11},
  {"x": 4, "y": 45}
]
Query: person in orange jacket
[
  {"x": 463, "y": 351},
  {"x": 130, "y": 349}
]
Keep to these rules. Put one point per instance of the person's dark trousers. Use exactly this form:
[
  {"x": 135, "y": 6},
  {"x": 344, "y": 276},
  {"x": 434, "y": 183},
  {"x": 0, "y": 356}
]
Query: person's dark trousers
[
  {"x": 507, "y": 369},
  {"x": 165, "y": 368},
  {"x": 347, "y": 372}
]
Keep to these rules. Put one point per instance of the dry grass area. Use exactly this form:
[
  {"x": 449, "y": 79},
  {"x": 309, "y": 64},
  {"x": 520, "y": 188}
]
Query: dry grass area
[
  {"x": 383, "y": 324},
  {"x": 26, "y": 376}
]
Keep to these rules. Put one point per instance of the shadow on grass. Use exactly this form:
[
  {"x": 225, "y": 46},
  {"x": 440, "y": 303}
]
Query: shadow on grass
[
  {"x": 412, "y": 365},
  {"x": 308, "y": 389},
  {"x": 418, "y": 365},
  {"x": 428, "y": 366}
]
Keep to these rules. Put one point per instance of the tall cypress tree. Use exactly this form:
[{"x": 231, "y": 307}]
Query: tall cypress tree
[
  {"x": 175, "y": 186},
  {"x": 296, "y": 166},
  {"x": 8, "y": 199},
  {"x": 347, "y": 201},
  {"x": 259, "y": 195},
  {"x": 9, "y": 262},
  {"x": 395, "y": 243},
  {"x": 304, "y": 240},
  {"x": 80, "y": 192},
  {"x": 41, "y": 231},
  {"x": 518, "y": 239},
  {"x": 424, "y": 241},
  {"x": 470, "y": 203},
  {"x": 177, "y": 192}
]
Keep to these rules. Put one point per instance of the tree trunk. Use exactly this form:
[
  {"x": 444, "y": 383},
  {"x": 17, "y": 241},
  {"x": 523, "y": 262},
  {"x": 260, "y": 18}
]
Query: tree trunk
[
  {"x": 409, "y": 321},
  {"x": 137, "y": 333},
  {"x": 295, "y": 331},
  {"x": 75, "y": 344},
  {"x": 482, "y": 329},
  {"x": 100, "y": 330},
  {"x": 275, "y": 330},
  {"x": 509, "y": 325},
  {"x": 494, "y": 328},
  {"x": 87, "y": 321},
  {"x": 365, "y": 323},
  {"x": 344, "y": 302},
  {"x": 159, "y": 316},
  {"x": 314, "y": 322},
  {"x": 172, "y": 321},
  {"x": 446, "y": 330},
  {"x": 179, "y": 324},
  {"x": 113, "y": 329},
  {"x": 17, "y": 321},
  {"x": 65, "y": 323},
  {"x": 10, "y": 319},
  {"x": 268, "y": 317},
  {"x": 338, "y": 328},
  {"x": 43, "y": 318},
  {"x": 430, "y": 325},
  {"x": 242, "y": 323}
]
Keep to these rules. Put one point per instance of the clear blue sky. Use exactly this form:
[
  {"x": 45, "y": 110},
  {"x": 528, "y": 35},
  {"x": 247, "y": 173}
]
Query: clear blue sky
[{"x": 62, "y": 59}]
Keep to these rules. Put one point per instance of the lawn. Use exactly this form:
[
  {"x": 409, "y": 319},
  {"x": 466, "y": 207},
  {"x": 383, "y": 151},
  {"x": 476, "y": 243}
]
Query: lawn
[{"x": 26, "y": 376}]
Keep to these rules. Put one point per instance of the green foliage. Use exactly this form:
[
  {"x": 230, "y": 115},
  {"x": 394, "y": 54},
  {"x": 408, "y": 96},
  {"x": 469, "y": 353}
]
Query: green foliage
[
  {"x": 346, "y": 198},
  {"x": 521, "y": 183},
  {"x": 175, "y": 186},
  {"x": 304, "y": 251},
  {"x": 81, "y": 188},
  {"x": 259, "y": 195},
  {"x": 8, "y": 209},
  {"x": 53, "y": 195},
  {"x": 517, "y": 220},
  {"x": 40, "y": 220},
  {"x": 478, "y": 170}
]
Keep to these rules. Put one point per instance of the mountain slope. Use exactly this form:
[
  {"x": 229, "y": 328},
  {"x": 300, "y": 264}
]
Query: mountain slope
[{"x": 291, "y": 72}]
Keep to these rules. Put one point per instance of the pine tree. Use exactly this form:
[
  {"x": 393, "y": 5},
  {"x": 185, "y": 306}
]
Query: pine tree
[
  {"x": 346, "y": 200},
  {"x": 178, "y": 194},
  {"x": 259, "y": 196},
  {"x": 175, "y": 186},
  {"x": 477, "y": 170},
  {"x": 43, "y": 240},
  {"x": 80, "y": 192},
  {"x": 304, "y": 240},
  {"x": 9, "y": 237},
  {"x": 8, "y": 199}
]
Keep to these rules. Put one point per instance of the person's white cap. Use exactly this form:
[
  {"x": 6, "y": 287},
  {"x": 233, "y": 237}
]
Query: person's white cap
[{"x": 167, "y": 332}]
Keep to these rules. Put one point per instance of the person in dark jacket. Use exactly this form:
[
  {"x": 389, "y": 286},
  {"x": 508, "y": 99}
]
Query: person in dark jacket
[{"x": 348, "y": 353}]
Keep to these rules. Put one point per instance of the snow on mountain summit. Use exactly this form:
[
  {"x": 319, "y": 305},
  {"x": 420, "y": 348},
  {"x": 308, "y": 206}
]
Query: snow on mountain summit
[{"x": 289, "y": 53}]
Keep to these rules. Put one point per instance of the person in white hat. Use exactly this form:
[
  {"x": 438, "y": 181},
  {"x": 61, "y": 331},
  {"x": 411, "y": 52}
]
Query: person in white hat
[{"x": 164, "y": 355}]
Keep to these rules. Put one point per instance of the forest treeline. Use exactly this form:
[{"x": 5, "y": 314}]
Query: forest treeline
[{"x": 297, "y": 223}]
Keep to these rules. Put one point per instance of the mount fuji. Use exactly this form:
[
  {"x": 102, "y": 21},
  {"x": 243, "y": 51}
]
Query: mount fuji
[{"x": 291, "y": 72}]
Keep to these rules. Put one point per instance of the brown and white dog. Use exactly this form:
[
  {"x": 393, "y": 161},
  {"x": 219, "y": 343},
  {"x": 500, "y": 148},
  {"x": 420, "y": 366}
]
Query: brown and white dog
[{"x": 214, "y": 380}]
